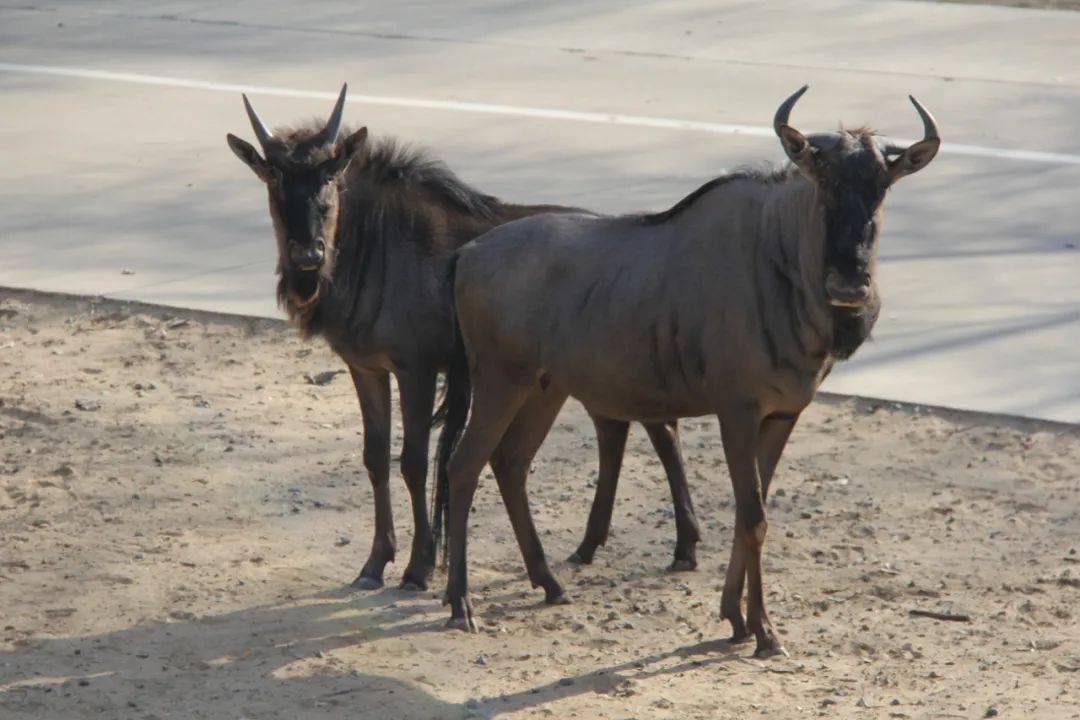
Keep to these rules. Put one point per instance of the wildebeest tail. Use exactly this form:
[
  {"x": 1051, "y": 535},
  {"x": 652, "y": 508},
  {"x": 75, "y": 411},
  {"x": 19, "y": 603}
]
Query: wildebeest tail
[{"x": 453, "y": 412}]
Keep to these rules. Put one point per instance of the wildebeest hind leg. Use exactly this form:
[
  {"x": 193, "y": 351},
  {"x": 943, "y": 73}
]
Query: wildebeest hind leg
[
  {"x": 510, "y": 463},
  {"x": 495, "y": 403},
  {"x": 417, "y": 393},
  {"x": 665, "y": 440},
  {"x": 373, "y": 390},
  {"x": 611, "y": 443}
]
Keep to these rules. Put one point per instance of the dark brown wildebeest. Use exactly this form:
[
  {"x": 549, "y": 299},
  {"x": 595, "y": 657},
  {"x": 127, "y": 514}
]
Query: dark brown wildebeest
[
  {"x": 364, "y": 232},
  {"x": 735, "y": 302}
]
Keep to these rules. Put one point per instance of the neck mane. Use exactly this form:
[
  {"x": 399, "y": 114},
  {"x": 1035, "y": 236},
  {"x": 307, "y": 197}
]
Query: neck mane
[{"x": 767, "y": 178}]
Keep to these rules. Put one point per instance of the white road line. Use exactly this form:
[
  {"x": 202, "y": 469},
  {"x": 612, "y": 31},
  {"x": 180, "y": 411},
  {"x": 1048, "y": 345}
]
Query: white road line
[{"x": 512, "y": 110}]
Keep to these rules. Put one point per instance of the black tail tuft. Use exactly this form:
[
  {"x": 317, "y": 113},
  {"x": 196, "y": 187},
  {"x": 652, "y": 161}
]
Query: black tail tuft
[{"x": 452, "y": 413}]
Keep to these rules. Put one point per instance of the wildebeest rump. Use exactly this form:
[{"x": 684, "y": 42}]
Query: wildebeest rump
[
  {"x": 364, "y": 229},
  {"x": 737, "y": 301}
]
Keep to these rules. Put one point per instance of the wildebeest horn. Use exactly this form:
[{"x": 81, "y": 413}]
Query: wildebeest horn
[
  {"x": 329, "y": 134},
  {"x": 930, "y": 129},
  {"x": 264, "y": 136},
  {"x": 781, "y": 117}
]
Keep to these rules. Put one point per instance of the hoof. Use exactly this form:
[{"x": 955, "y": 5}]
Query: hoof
[
  {"x": 739, "y": 633},
  {"x": 559, "y": 598},
  {"x": 770, "y": 650},
  {"x": 413, "y": 580},
  {"x": 682, "y": 565},
  {"x": 578, "y": 559},
  {"x": 367, "y": 583},
  {"x": 465, "y": 624}
]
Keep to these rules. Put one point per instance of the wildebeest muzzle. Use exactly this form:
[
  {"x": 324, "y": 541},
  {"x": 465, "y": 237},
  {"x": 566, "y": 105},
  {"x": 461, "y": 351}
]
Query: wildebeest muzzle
[
  {"x": 307, "y": 257},
  {"x": 844, "y": 293}
]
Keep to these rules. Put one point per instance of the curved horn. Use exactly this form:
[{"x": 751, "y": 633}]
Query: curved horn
[
  {"x": 930, "y": 131},
  {"x": 329, "y": 134},
  {"x": 264, "y": 136},
  {"x": 781, "y": 117}
]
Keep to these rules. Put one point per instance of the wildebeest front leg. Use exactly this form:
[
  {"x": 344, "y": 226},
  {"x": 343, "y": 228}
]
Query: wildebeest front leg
[
  {"x": 494, "y": 407},
  {"x": 772, "y": 437},
  {"x": 611, "y": 443},
  {"x": 510, "y": 462},
  {"x": 417, "y": 393},
  {"x": 373, "y": 389},
  {"x": 665, "y": 440},
  {"x": 740, "y": 436}
]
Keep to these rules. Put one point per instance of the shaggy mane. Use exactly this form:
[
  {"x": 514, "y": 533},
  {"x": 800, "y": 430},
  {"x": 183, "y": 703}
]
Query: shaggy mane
[
  {"x": 389, "y": 161},
  {"x": 386, "y": 162}
]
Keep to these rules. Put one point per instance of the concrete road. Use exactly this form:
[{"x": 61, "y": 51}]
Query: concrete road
[{"x": 116, "y": 178}]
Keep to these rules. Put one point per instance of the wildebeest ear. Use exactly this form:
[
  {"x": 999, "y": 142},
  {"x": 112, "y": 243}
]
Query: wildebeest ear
[
  {"x": 797, "y": 147},
  {"x": 354, "y": 142},
  {"x": 794, "y": 142},
  {"x": 915, "y": 158},
  {"x": 250, "y": 157},
  {"x": 349, "y": 149}
]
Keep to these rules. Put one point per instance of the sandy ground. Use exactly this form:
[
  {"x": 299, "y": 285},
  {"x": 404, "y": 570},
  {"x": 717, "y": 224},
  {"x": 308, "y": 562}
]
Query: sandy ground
[{"x": 180, "y": 510}]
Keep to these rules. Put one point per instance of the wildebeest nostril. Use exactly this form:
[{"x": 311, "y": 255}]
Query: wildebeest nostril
[
  {"x": 306, "y": 258},
  {"x": 841, "y": 292}
]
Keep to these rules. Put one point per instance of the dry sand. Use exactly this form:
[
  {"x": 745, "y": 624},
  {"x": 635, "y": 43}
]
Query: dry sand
[{"x": 180, "y": 510}]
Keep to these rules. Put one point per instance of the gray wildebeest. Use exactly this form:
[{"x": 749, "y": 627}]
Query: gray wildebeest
[
  {"x": 735, "y": 302},
  {"x": 364, "y": 231}
]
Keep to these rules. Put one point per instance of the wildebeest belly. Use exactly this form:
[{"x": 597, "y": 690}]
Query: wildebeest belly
[
  {"x": 635, "y": 403},
  {"x": 379, "y": 349},
  {"x": 632, "y": 370}
]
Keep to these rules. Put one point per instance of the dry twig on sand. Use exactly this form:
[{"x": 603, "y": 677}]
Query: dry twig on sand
[{"x": 954, "y": 617}]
